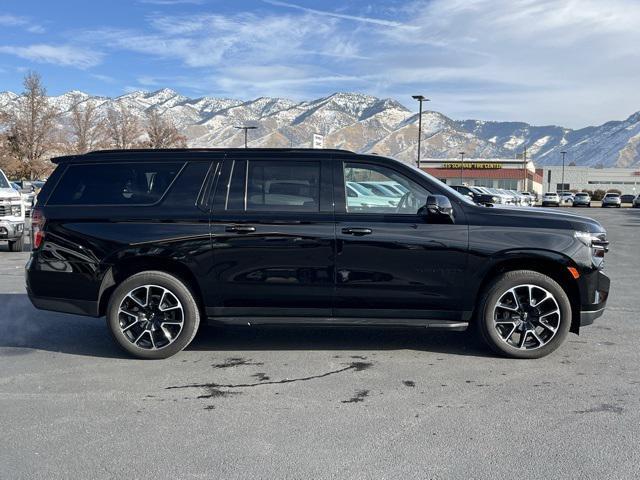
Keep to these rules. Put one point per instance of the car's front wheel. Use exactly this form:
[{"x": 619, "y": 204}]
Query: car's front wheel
[
  {"x": 524, "y": 314},
  {"x": 153, "y": 315},
  {"x": 17, "y": 245}
]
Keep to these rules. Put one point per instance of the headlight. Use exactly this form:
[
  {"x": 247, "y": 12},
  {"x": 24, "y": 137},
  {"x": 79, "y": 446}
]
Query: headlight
[
  {"x": 16, "y": 210},
  {"x": 597, "y": 243}
]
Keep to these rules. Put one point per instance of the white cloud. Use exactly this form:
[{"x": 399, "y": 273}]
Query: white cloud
[
  {"x": 211, "y": 40},
  {"x": 356, "y": 18},
  {"x": 172, "y": 2},
  {"x": 571, "y": 62},
  {"x": 7, "y": 20},
  {"x": 64, "y": 55}
]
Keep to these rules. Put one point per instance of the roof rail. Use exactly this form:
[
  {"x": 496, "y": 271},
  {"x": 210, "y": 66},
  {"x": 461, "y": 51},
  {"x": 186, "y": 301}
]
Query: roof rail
[{"x": 150, "y": 150}]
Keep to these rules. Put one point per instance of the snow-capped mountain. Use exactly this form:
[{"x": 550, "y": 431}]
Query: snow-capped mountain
[{"x": 365, "y": 123}]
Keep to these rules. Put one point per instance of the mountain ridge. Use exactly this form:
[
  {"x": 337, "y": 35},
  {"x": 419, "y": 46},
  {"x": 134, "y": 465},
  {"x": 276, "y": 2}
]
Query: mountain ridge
[{"x": 367, "y": 124}]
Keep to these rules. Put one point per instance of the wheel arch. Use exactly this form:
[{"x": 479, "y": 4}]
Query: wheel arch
[
  {"x": 135, "y": 264},
  {"x": 552, "y": 264}
]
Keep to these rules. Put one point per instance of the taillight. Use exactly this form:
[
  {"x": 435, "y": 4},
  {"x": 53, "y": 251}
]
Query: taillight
[{"x": 37, "y": 227}]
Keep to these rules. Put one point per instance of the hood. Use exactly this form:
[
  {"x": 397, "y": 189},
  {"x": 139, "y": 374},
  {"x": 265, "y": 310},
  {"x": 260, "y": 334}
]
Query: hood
[
  {"x": 537, "y": 217},
  {"x": 6, "y": 193}
]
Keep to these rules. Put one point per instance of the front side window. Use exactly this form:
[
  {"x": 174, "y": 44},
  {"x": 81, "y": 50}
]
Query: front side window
[
  {"x": 371, "y": 176},
  {"x": 286, "y": 186},
  {"x": 142, "y": 183}
]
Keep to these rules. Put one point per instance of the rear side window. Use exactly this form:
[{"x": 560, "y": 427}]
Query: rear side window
[
  {"x": 141, "y": 183},
  {"x": 283, "y": 186}
]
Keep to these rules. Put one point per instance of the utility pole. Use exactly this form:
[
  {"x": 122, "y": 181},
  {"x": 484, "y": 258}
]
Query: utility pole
[
  {"x": 563, "y": 154},
  {"x": 420, "y": 98},
  {"x": 461, "y": 165},
  {"x": 245, "y": 128}
]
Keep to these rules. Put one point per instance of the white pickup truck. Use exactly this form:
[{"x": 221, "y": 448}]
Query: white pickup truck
[{"x": 11, "y": 215}]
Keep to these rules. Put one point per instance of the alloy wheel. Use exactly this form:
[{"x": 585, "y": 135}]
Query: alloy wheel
[
  {"x": 151, "y": 317},
  {"x": 527, "y": 317}
]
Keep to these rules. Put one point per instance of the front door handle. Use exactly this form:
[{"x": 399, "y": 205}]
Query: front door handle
[
  {"x": 357, "y": 231},
  {"x": 240, "y": 229}
]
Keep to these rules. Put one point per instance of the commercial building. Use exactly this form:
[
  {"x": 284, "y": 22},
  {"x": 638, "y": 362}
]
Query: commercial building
[
  {"x": 627, "y": 180},
  {"x": 507, "y": 173}
]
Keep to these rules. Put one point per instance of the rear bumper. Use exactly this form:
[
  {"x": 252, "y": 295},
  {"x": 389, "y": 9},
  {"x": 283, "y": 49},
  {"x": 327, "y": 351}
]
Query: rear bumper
[{"x": 65, "y": 305}]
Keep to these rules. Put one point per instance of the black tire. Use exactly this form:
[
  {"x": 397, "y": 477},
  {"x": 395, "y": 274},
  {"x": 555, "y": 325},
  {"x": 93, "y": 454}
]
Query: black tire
[
  {"x": 497, "y": 289},
  {"x": 17, "y": 245},
  {"x": 190, "y": 314}
]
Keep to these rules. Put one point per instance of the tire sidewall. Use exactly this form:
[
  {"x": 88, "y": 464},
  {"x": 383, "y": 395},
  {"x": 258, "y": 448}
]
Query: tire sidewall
[
  {"x": 503, "y": 283},
  {"x": 179, "y": 289}
]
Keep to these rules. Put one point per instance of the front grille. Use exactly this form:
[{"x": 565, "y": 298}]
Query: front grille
[{"x": 5, "y": 211}]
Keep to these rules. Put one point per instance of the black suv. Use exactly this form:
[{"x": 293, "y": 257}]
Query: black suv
[{"x": 158, "y": 240}]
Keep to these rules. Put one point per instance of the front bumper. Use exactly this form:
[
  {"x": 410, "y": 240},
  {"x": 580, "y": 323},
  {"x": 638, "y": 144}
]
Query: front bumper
[
  {"x": 11, "y": 230},
  {"x": 594, "y": 292}
]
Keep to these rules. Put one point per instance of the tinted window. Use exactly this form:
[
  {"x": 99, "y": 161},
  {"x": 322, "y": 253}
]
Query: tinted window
[
  {"x": 114, "y": 184},
  {"x": 283, "y": 186},
  {"x": 409, "y": 203}
]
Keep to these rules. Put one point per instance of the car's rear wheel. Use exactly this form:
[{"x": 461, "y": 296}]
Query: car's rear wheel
[
  {"x": 153, "y": 315},
  {"x": 524, "y": 314}
]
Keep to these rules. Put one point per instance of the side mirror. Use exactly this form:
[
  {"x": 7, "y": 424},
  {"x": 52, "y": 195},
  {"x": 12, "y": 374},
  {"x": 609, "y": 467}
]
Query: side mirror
[{"x": 438, "y": 209}]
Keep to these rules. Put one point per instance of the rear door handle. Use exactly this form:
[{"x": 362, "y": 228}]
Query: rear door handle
[
  {"x": 240, "y": 228},
  {"x": 357, "y": 231}
]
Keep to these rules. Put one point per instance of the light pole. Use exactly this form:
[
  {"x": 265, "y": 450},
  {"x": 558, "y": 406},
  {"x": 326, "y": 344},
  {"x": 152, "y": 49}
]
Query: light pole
[
  {"x": 524, "y": 170},
  {"x": 563, "y": 154},
  {"x": 461, "y": 165},
  {"x": 420, "y": 98},
  {"x": 245, "y": 133}
]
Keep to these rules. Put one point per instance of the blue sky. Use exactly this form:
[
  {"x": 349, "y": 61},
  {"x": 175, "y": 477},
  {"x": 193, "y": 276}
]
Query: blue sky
[{"x": 567, "y": 62}]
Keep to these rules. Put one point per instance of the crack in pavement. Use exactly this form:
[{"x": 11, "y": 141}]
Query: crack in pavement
[{"x": 355, "y": 366}]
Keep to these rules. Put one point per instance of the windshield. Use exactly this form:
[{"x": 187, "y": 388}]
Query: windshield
[{"x": 4, "y": 183}]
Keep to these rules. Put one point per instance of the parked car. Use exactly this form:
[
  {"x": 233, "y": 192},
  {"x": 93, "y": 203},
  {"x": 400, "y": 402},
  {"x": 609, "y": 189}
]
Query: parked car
[
  {"x": 532, "y": 195},
  {"x": 506, "y": 199},
  {"x": 611, "y": 199},
  {"x": 566, "y": 198},
  {"x": 551, "y": 199},
  {"x": 582, "y": 199},
  {"x": 380, "y": 190},
  {"x": 360, "y": 196},
  {"x": 523, "y": 200},
  {"x": 627, "y": 198},
  {"x": 11, "y": 215},
  {"x": 159, "y": 241},
  {"x": 636, "y": 202},
  {"x": 477, "y": 196}
]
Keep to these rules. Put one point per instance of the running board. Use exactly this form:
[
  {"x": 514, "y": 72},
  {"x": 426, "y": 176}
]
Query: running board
[{"x": 452, "y": 325}]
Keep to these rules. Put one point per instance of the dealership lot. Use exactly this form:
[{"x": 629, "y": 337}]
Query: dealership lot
[{"x": 321, "y": 403}]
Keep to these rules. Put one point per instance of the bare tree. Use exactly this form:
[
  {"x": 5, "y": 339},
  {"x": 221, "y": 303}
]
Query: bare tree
[
  {"x": 88, "y": 129},
  {"x": 123, "y": 127},
  {"x": 8, "y": 163},
  {"x": 31, "y": 129},
  {"x": 162, "y": 132}
]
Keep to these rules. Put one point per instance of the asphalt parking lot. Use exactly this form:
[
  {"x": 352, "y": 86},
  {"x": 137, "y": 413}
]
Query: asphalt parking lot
[{"x": 321, "y": 403}]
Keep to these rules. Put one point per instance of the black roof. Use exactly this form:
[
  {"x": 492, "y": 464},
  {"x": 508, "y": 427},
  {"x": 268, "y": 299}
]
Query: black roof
[{"x": 145, "y": 152}]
